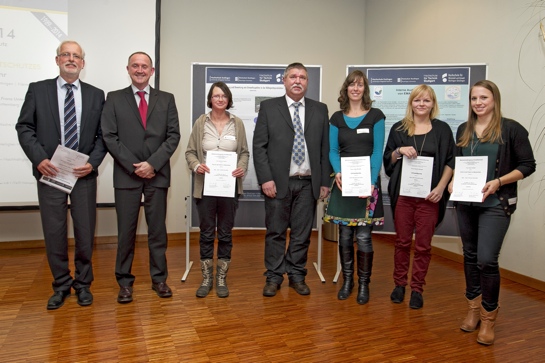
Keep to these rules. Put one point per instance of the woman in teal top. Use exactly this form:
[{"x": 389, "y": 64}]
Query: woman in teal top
[
  {"x": 356, "y": 130},
  {"x": 483, "y": 225}
]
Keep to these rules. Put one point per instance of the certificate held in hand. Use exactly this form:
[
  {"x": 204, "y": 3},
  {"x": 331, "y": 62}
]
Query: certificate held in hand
[
  {"x": 469, "y": 178},
  {"x": 220, "y": 182},
  {"x": 65, "y": 159},
  {"x": 416, "y": 177},
  {"x": 356, "y": 172}
]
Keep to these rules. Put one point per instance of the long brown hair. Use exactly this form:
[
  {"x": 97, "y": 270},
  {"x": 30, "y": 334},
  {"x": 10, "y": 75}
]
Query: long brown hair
[
  {"x": 407, "y": 124},
  {"x": 344, "y": 101},
  {"x": 492, "y": 133}
]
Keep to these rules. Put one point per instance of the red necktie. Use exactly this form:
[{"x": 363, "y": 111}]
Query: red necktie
[{"x": 143, "y": 107}]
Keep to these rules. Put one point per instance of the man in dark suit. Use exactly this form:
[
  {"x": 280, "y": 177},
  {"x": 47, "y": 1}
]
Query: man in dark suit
[
  {"x": 49, "y": 118},
  {"x": 141, "y": 132},
  {"x": 293, "y": 170}
]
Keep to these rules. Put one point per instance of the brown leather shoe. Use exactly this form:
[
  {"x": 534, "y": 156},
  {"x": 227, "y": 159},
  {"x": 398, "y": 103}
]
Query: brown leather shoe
[
  {"x": 300, "y": 287},
  {"x": 270, "y": 288},
  {"x": 125, "y": 295},
  {"x": 162, "y": 289}
]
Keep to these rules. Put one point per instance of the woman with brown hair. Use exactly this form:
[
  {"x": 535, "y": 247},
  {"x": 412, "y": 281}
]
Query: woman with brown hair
[
  {"x": 217, "y": 130},
  {"x": 483, "y": 225},
  {"x": 356, "y": 130}
]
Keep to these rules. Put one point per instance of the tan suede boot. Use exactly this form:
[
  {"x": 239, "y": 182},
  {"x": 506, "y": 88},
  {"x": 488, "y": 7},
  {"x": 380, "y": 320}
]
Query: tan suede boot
[
  {"x": 488, "y": 322},
  {"x": 473, "y": 317}
]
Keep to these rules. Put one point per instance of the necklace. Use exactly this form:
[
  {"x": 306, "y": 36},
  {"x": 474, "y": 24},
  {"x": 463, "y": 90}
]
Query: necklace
[
  {"x": 474, "y": 147},
  {"x": 423, "y": 142}
]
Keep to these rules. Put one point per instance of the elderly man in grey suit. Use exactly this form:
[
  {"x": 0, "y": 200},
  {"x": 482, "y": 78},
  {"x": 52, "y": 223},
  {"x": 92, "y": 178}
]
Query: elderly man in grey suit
[
  {"x": 141, "y": 132},
  {"x": 65, "y": 111},
  {"x": 291, "y": 158}
]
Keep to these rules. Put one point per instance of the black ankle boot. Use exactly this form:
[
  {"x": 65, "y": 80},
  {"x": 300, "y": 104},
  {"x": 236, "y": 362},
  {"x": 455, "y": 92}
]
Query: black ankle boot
[
  {"x": 365, "y": 265},
  {"x": 347, "y": 264}
]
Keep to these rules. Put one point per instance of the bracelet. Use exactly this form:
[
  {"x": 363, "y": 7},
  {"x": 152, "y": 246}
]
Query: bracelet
[
  {"x": 500, "y": 182},
  {"x": 397, "y": 151}
]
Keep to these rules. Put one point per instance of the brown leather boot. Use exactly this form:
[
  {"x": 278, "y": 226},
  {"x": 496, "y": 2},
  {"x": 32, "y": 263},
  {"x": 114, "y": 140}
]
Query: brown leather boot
[
  {"x": 473, "y": 317},
  {"x": 488, "y": 322}
]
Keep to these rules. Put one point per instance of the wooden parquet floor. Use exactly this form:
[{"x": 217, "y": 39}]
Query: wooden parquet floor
[{"x": 247, "y": 327}]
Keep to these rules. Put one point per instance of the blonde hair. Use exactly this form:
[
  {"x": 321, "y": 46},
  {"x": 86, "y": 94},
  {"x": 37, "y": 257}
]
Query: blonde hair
[
  {"x": 492, "y": 133},
  {"x": 407, "y": 124}
]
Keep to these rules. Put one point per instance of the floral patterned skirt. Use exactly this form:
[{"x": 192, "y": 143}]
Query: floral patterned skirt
[{"x": 354, "y": 211}]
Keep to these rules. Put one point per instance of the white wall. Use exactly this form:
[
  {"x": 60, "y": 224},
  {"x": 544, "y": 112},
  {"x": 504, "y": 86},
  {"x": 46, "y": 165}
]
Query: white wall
[
  {"x": 337, "y": 33},
  {"x": 504, "y": 34}
]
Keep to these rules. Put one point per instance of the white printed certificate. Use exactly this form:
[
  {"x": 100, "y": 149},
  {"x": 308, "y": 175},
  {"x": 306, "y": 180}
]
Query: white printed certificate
[
  {"x": 220, "y": 182},
  {"x": 65, "y": 159},
  {"x": 416, "y": 177},
  {"x": 356, "y": 176},
  {"x": 469, "y": 178}
]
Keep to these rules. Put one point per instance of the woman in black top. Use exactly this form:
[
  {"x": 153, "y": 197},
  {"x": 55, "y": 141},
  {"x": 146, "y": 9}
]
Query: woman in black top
[
  {"x": 483, "y": 225},
  {"x": 419, "y": 134}
]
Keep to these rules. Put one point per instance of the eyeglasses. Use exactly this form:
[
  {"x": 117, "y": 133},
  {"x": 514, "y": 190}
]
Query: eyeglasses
[
  {"x": 73, "y": 55},
  {"x": 220, "y": 97}
]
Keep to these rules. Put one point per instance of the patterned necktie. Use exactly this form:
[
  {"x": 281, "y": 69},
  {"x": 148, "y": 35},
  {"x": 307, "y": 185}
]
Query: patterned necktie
[
  {"x": 143, "y": 107},
  {"x": 298, "y": 151},
  {"x": 70, "y": 122}
]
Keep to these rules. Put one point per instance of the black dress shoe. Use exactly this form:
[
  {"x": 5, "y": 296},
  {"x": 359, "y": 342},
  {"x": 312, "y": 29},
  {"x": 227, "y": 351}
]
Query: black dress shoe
[
  {"x": 300, "y": 287},
  {"x": 85, "y": 298},
  {"x": 162, "y": 289},
  {"x": 417, "y": 301},
  {"x": 125, "y": 295},
  {"x": 398, "y": 294},
  {"x": 270, "y": 288},
  {"x": 57, "y": 300}
]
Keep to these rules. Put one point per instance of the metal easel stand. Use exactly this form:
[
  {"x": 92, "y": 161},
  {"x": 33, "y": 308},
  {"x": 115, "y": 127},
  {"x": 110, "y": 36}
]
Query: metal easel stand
[
  {"x": 188, "y": 263},
  {"x": 319, "y": 223},
  {"x": 338, "y": 273}
]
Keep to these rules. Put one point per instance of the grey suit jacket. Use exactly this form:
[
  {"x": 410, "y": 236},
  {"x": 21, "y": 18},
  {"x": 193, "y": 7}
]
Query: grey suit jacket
[
  {"x": 129, "y": 143},
  {"x": 273, "y": 142},
  {"x": 39, "y": 129}
]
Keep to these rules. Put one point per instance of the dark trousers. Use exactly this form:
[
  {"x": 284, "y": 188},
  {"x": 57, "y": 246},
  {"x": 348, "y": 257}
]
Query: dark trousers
[
  {"x": 127, "y": 206},
  {"x": 294, "y": 211},
  {"x": 54, "y": 215},
  {"x": 419, "y": 216},
  {"x": 482, "y": 231},
  {"x": 216, "y": 212}
]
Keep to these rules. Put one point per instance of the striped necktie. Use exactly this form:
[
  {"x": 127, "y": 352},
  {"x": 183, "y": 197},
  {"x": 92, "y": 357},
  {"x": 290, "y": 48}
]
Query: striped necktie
[{"x": 70, "y": 121}]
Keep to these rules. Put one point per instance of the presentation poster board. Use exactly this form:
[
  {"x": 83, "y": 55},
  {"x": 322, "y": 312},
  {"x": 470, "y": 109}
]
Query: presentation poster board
[
  {"x": 250, "y": 84},
  {"x": 390, "y": 87}
]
